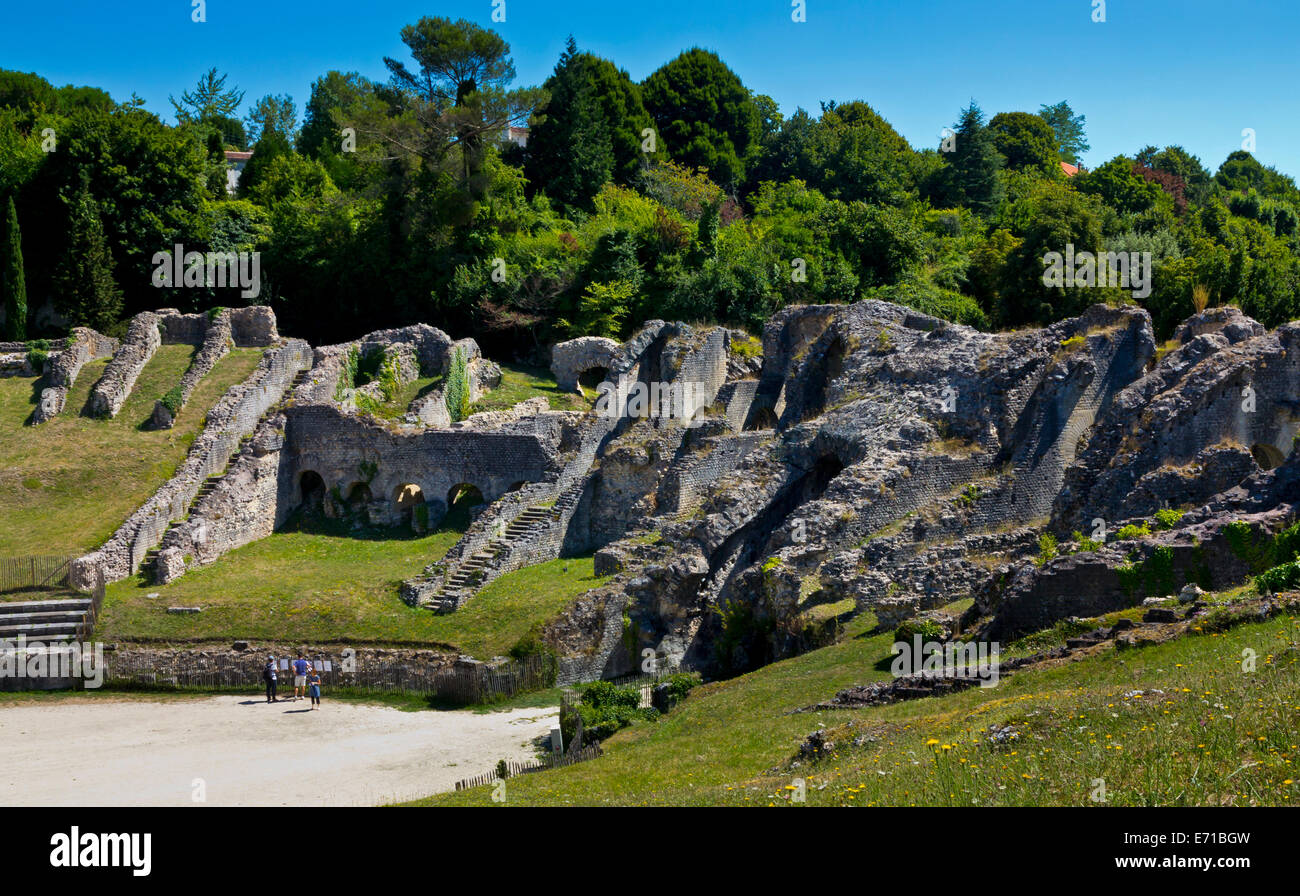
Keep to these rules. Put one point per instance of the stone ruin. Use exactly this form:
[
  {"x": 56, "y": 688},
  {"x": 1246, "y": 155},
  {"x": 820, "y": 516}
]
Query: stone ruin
[{"x": 873, "y": 458}]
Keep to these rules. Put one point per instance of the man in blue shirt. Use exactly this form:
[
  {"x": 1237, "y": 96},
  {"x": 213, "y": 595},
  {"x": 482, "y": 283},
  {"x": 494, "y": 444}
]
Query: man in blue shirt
[{"x": 300, "y": 666}]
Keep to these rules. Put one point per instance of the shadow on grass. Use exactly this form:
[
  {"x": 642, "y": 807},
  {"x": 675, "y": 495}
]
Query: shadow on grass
[{"x": 309, "y": 522}]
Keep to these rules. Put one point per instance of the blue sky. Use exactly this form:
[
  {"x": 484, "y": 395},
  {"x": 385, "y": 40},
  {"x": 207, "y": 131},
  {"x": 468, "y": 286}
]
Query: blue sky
[{"x": 1194, "y": 72}]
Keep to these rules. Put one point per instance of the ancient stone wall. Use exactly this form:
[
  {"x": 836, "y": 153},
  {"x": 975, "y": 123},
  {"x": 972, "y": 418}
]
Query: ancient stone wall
[
  {"x": 216, "y": 342},
  {"x": 569, "y": 360},
  {"x": 234, "y": 417},
  {"x": 142, "y": 340},
  {"x": 348, "y": 453},
  {"x": 61, "y": 369}
]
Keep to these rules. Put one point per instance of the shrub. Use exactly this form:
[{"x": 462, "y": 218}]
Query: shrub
[
  {"x": 605, "y": 708},
  {"x": 348, "y": 373},
  {"x": 748, "y": 347},
  {"x": 1257, "y": 551},
  {"x": 173, "y": 400},
  {"x": 1168, "y": 518},
  {"x": 1279, "y": 578},
  {"x": 1047, "y": 549},
  {"x": 680, "y": 683},
  {"x": 456, "y": 394},
  {"x": 37, "y": 358},
  {"x": 928, "y": 629},
  {"x": 1074, "y": 342},
  {"x": 1086, "y": 545},
  {"x": 1133, "y": 530}
]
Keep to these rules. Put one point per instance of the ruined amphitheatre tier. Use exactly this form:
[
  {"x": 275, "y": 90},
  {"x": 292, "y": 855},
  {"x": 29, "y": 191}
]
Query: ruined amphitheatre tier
[{"x": 873, "y": 459}]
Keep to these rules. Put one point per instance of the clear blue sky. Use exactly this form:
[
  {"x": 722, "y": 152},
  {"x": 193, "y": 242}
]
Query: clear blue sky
[{"x": 1194, "y": 72}]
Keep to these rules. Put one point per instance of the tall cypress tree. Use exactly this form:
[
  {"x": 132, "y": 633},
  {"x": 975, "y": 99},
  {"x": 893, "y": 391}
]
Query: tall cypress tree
[
  {"x": 13, "y": 283},
  {"x": 84, "y": 282}
]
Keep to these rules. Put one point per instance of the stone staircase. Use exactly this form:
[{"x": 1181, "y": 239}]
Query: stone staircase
[
  {"x": 210, "y": 484},
  {"x": 47, "y": 621},
  {"x": 484, "y": 564}
]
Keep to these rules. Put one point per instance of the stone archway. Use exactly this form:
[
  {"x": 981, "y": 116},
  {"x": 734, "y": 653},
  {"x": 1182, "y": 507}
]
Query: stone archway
[
  {"x": 592, "y": 377},
  {"x": 358, "y": 500},
  {"x": 762, "y": 418},
  {"x": 1267, "y": 456},
  {"x": 464, "y": 495},
  {"x": 311, "y": 491},
  {"x": 410, "y": 508}
]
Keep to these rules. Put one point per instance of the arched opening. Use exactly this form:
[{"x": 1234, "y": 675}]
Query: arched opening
[
  {"x": 311, "y": 491},
  {"x": 1267, "y": 456},
  {"x": 592, "y": 377},
  {"x": 358, "y": 501},
  {"x": 763, "y": 418},
  {"x": 411, "y": 509},
  {"x": 463, "y": 496}
]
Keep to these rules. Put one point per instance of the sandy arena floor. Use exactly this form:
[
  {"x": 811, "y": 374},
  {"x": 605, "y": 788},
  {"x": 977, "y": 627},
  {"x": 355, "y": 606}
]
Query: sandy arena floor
[{"x": 129, "y": 752}]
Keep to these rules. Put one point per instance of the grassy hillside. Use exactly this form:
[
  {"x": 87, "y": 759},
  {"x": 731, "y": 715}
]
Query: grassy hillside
[
  {"x": 1179, "y": 723},
  {"x": 69, "y": 483},
  {"x": 331, "y": 584}
]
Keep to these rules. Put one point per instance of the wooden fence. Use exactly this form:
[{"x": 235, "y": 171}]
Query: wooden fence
[
  {"x": 513, "y": 769},
  {"x": 34, "y": 573}
]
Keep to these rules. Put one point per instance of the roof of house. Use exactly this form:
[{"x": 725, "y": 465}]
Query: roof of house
[
  {"x": 1070, "y": 170},
  {"x": 235, "y": 156}
]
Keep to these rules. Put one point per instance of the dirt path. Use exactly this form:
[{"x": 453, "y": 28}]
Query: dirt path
[{"x": 248, "y": 752}]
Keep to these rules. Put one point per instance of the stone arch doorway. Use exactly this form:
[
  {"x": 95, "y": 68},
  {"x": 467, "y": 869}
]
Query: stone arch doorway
[
  {"x": 592, "y": 377},
  {"x": 464, "y": 496},
  {"x": 1267, "y": 456},
  {"x": 763, "y": 418},
  {"x": 311, "y": 491},
  {"x": 408, "y": 501},
  {"x": 358, "y": 501}
]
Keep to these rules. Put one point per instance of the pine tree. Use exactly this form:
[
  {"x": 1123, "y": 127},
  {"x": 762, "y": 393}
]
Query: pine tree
[
  {"x": 976, "y": 165},
  {"x": 13, "y": 284},
  {"x": 84, "y": 283},
  {"x": 570, "y": 153}
]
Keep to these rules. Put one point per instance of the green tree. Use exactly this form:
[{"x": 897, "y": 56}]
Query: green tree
[
  {"x": 975, "y": 165},
  {"x": 456, "y": 394},
  {"x": 458, "y": 93},
  {"x": 1026, "y": 141},
  {"x": 86, "y": 292},
  {"x": 1120, "y": 187},
  {"x": 1069, "y": 128},
  {"x": 570, "y": 153},
  {"x": 271, "y": 146},
  {"x": 209, "y": 99},
  {"x": 13, "y": 285},
  {"x": 147, "y": 182},
  {"x": 273, "y": 113},
  {"x": 706, "y": 117}
]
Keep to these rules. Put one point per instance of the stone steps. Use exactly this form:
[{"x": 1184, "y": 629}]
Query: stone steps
[{"x": 43, "y": 620}]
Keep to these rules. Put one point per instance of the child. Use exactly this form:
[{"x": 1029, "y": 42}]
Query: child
[{"x": 313, "y": 688}]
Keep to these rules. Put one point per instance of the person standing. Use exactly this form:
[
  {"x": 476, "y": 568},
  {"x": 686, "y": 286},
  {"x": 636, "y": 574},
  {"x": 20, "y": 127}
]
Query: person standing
[
  {"x": 268, "y": 675},
  {"x": 313, "y": 688},
  {"x": 300, "y": 667}
]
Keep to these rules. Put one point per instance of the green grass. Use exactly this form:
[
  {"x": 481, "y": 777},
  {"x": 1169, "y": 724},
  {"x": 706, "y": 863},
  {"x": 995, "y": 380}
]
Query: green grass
[
  {"x": 1215, "y": 736},
  {"x": 329, "y": 585},
  {"x": 66, "y": 485},
  {"x": 520, "y": 383},
  {"x": 397, "y": 408}
]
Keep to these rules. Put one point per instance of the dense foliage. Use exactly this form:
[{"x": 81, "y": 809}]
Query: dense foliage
[{"x": 683, "y": 196}]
